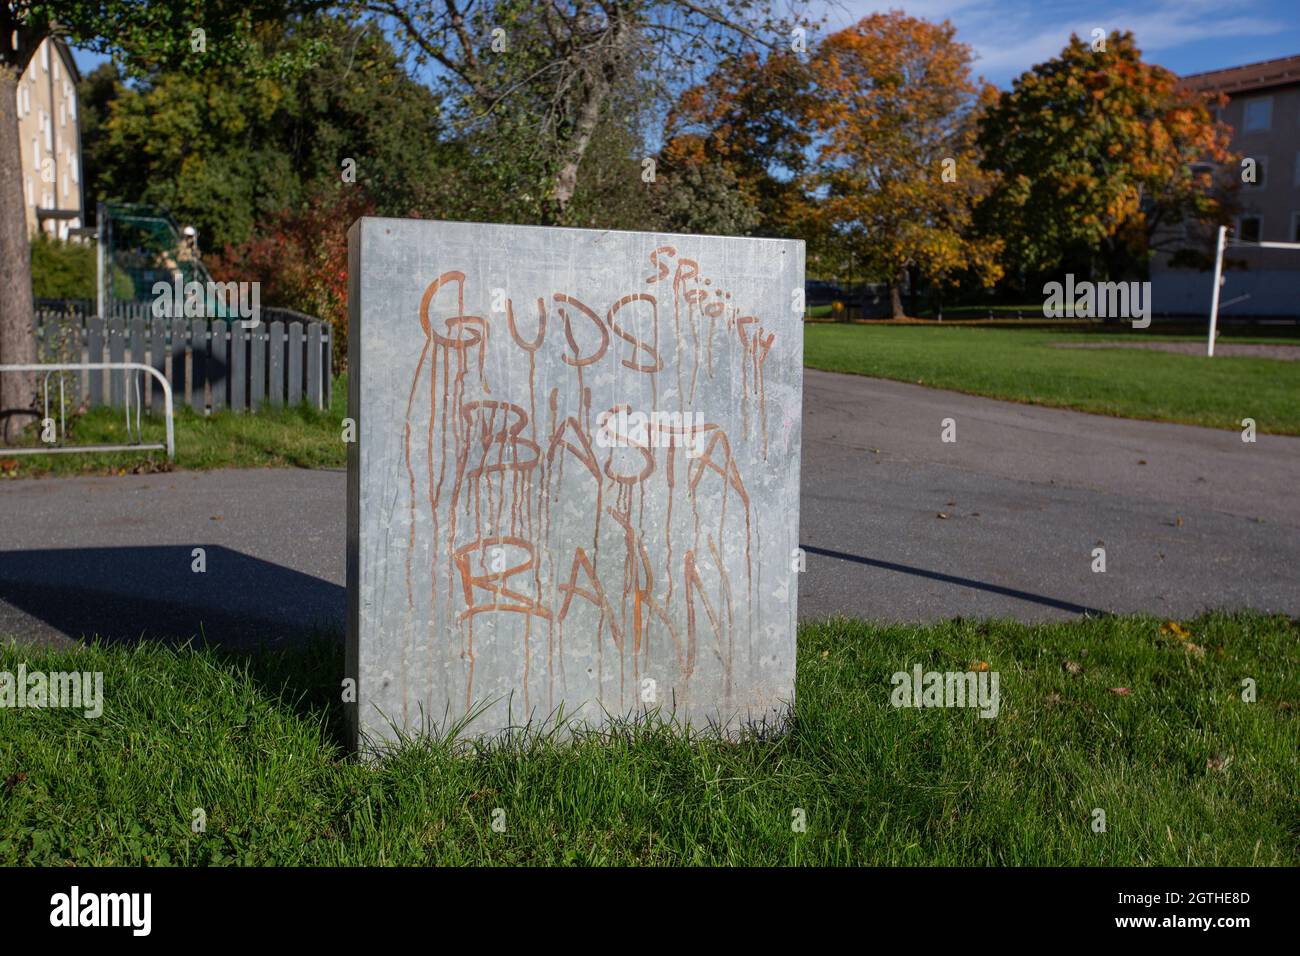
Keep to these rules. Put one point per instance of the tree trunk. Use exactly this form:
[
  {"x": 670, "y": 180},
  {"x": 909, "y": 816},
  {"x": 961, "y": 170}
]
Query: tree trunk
[
  {"x": 599, "y": 80},
  {"x": 566, "y": 177},
  {"x": 896, "y": 298},
  {"x": 17, "y": 340}
]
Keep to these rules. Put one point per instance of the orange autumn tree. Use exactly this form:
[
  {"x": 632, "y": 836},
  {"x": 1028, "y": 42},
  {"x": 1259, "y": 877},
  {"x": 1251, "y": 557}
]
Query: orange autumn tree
[
  {"x": 898, "y": 176},
  {"x": 744, "y": 126},
  {"x": 1095, "y": 154}
]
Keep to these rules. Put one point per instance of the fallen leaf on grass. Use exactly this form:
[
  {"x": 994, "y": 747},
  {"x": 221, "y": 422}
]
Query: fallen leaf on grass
[
  {"x": 14, "y": 779},
  {"x": 1194, "y": 649},
  {"x": 1120, "y": 691},
  {"x": 1051, "y": 700},
  {"x": 1174, "y": 629},
  {"x": 979, "y": 666},
  {"x": 1073, "y": 668},
  {"x": 1218, "y": 762},
  {"x": 8, "y": 464},
  {"x": 825, "y": 654}
]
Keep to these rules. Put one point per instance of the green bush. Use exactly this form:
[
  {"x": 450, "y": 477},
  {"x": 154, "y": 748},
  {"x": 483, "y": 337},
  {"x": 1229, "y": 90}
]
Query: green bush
[
  {"x": 66, "y": 270},
  {"x": 62, "y": 270}
]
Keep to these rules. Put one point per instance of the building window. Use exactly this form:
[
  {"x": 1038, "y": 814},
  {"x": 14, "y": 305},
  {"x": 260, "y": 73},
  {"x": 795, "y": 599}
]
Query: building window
[
  {"x": 1259, "y": 113},
  {"x": 45, "y": 56},
  {"x": 1249, "y": 228}
]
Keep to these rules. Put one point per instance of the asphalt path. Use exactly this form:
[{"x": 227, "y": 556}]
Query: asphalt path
[{"x": 897, "y": 523}]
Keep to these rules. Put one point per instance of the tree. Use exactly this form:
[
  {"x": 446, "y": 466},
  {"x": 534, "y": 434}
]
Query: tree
[
  {"x": 146, "y": 34},
  {"x": 735, "y": 145},
  {"x": 533, "y": 81},
  {"x": 224, "y": 152},
  {"x": 300, "y": 257},
  {"x": 1094, "y": 151},
  {"x": 898, "y": 174}
]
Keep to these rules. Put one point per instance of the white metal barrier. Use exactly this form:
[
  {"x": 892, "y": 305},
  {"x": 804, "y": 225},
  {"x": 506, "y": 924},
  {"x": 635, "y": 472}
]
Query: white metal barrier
[{"x": 105, "y": 366}]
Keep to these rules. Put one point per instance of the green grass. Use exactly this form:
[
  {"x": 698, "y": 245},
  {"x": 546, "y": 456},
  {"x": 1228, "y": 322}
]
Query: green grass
[
  {"x": 1186, "y": 772},
  {"x": 1022, "y": 365},
  {"x": 1013, "y": 364},
  {"x": 299, "y": 437}
]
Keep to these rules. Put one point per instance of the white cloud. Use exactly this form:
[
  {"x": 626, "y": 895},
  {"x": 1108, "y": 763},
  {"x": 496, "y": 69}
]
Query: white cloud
[{"x": 1010, "y": 37}]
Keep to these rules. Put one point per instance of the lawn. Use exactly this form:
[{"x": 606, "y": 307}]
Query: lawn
[
  {"x": 1111, "y": 714},
  {"x": 300, "y": 437},
  {"x": 1015, "y": 364},
  {"x": 1022, "y": 365}
]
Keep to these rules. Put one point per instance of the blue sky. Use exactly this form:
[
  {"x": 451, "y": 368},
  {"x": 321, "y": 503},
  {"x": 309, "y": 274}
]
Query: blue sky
[
  {"x": 1009, "y": 36},
  {"x": 1186, "y": 36}
]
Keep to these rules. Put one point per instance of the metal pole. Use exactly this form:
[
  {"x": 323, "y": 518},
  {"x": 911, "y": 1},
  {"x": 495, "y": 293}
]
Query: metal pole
[
  {"x": 1218, "y": 277},
  {"x": 100, "y": 239},
  {"x": 169, "y": 413}
]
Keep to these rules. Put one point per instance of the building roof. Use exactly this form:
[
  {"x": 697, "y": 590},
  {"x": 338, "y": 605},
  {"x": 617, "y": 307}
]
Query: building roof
[
  {"x": 69, "y": 61},
  {"x": 61, "y": 50},
  {"x": 1284, "y": 71}
]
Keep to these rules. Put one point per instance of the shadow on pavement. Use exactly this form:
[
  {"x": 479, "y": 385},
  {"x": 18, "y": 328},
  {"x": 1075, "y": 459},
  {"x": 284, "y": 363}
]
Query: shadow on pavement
[
  {"x": 153, "y": 593},
  {"x": 954, "y": 579}
]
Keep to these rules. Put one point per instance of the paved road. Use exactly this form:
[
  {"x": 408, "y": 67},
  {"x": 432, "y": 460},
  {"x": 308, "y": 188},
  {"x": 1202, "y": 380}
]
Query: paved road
[{"x": 1189, "y": 518}]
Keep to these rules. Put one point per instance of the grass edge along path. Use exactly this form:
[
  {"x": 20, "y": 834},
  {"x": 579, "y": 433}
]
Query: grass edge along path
[
  {"x": 1144, "y": 722},
  {"x": 300, "y": 437},
  {"x": 1023, "y": 365}
]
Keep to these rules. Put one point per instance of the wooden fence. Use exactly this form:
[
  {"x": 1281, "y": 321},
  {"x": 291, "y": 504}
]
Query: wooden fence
[{"x": 210, "y": 364}]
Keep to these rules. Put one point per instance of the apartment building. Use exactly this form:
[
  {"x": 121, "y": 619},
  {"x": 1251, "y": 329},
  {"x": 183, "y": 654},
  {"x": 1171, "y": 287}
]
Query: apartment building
[
  {"x": 50, "y": 137},
  {"x": 1264, "y": 112}
]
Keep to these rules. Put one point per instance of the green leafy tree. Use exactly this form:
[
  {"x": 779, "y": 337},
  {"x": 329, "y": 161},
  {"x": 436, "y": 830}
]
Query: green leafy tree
[
  {"x": 225, "y": 152},
  {"x": 1094, "y": 151},
  {"x": 145, "y": 34},
  {"x": 534, "y": 82}
]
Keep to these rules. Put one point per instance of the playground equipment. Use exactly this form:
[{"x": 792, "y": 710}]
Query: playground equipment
[{"x": 145, "y": 244}]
